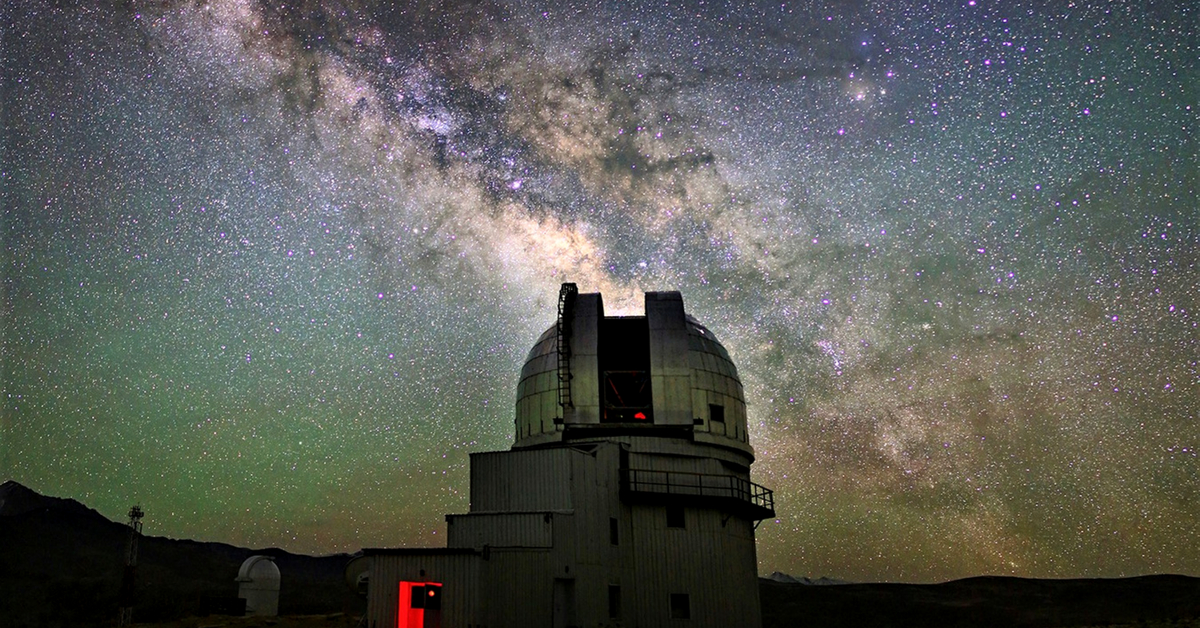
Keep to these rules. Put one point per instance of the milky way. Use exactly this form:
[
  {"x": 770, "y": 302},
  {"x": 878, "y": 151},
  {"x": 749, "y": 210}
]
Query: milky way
[{"x": 271, "y": 269}]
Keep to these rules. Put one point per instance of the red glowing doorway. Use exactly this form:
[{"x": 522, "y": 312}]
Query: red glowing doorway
[{"x": 420, "y": 605}]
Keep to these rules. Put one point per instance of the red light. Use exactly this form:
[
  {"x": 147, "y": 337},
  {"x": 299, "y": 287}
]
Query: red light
[
  {"x": 639, "y": 416},
  {"x": 431, "y": 593}
]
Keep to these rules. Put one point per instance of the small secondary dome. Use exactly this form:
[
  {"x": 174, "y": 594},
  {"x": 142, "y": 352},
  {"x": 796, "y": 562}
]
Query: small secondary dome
[
  {"x": 590, "y": 372},
  {"x": 258, "y": 583}
]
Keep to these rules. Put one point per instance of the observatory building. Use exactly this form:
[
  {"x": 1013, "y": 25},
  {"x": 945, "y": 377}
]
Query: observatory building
[{"x": 625, "y": 500}]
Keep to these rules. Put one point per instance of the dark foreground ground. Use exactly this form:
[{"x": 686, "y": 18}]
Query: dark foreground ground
[
  {"x": 1153, "y": 602},
  {"x": 344, "y": 621},
  {"x": 60, "y": 566},
  {"x": 332, "y": 620},
  {"x": 987, "y": 602}
]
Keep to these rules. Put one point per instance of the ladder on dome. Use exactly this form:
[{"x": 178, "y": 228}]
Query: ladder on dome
[{"x": 566, "y": 314}]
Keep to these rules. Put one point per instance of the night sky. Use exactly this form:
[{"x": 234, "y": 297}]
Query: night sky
[{"x": 270, "y": 269}]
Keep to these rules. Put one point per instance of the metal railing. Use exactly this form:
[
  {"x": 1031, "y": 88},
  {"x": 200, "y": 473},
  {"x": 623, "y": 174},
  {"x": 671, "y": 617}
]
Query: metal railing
[{"x": 699, "y": 485}]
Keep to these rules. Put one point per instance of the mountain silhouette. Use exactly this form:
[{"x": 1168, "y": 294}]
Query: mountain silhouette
[
  {"x": 61, "y": 565},
  {"x": 17, "y": 499}
]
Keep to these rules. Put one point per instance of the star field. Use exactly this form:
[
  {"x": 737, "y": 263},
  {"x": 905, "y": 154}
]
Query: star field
[{"x": 271, "y": 269}]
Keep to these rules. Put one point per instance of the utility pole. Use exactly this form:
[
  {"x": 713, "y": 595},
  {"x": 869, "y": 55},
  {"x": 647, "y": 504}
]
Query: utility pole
[{"x": 125, "y": 597}]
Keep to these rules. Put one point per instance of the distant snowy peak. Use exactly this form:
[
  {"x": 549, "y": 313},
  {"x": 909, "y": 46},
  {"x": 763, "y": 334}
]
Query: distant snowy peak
[{"x": 779, "y": 576}]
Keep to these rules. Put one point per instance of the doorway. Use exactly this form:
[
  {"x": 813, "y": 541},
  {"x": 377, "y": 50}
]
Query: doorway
[
  {"x": 420, "y": 605},
  {"x": 564, "y": 603}
]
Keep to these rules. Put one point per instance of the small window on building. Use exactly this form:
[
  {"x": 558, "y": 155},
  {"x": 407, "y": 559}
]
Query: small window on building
[
  {"x": 614, "y": 531},
  {"x": 427, "y": 596},
  {"x": 716, "y": 413},
  {"x": 675, "y": 517},
  {"x": 681, "y": 606},
  {"x": 614, "y": 601}
]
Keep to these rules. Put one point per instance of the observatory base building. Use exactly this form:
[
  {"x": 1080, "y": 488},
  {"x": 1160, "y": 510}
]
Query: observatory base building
[{"x": 625, "y": 500}]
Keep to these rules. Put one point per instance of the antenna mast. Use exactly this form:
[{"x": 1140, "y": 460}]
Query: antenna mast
[{"x": 126, "y": 595}]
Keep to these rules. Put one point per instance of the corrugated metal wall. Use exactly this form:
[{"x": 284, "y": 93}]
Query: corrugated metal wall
[
  {"x": 712, "y": 560},
  {"x": 517, "y": 588},
  {"x": 500, "y": 530},
  {"x": 521, "y": 481}
]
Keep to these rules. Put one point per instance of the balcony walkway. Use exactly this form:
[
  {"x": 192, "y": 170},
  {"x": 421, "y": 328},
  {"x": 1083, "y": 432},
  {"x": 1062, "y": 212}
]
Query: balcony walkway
[{"x": 743, "y": 496}]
